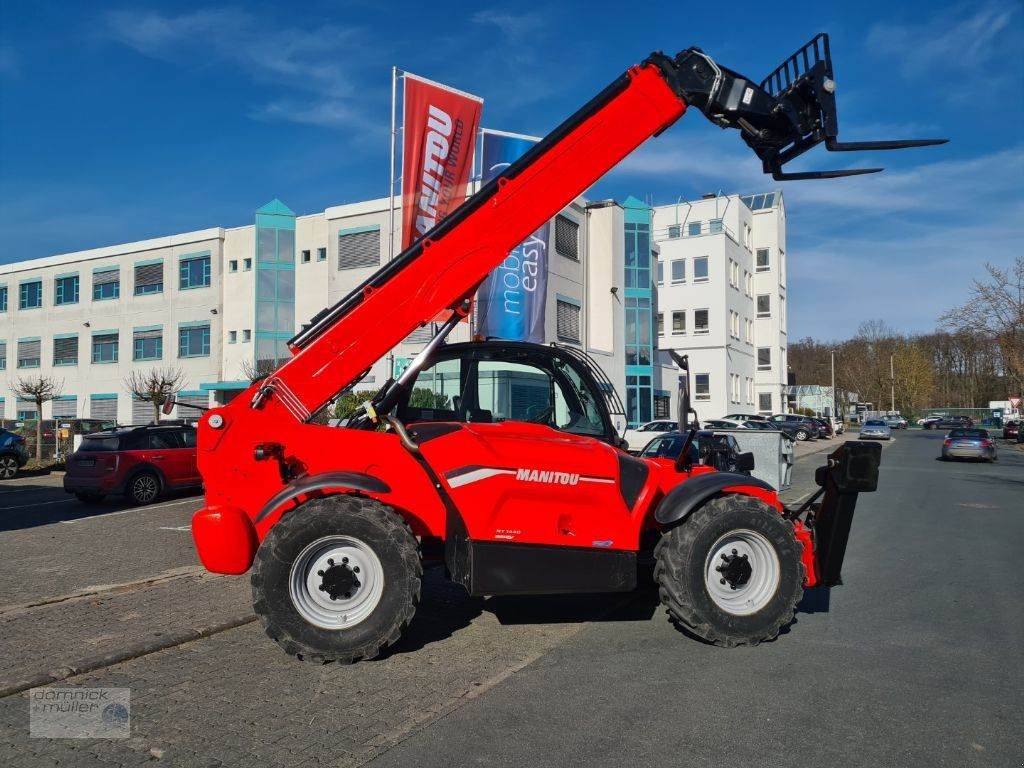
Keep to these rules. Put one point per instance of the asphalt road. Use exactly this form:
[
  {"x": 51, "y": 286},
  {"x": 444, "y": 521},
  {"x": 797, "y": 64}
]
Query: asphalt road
[{"x": 916, "y": 660}]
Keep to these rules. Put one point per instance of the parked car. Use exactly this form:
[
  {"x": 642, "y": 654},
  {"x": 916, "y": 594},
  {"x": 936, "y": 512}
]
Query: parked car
[
  {"x": 719, "y": 451},
  {"x": 969, "y": 444},
  {"x": 950, "y": 422},
  {"x": 825, "y": 428},
  {"x": 1010, "y": 430},
  {"x": 13, "y": 454},
  {"x": 927, "y": 421},
  {"x": 875, "y": 429},
  {"x": 727, "y": 422},
  {"x": 895, "y": 422},
  {"x": 805, "y": 428},
  {"x": 139, "y": 462},
  {"x": 642, "y": 435},
  {"x": 745, "y": 417}
]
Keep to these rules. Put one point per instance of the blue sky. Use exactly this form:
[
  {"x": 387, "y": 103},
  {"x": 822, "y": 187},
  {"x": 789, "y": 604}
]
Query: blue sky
[{"x": 125, "y": 121}]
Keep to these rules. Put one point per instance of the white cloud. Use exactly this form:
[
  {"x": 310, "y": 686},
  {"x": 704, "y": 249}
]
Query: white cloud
[
  {"x": 967, "y": 37},
  {"x": 306, "y": 61}
]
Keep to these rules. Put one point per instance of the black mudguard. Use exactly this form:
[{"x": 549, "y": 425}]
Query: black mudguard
[
  {"x": 357, "y": 481},
  {"x": 690, "y": 494}
]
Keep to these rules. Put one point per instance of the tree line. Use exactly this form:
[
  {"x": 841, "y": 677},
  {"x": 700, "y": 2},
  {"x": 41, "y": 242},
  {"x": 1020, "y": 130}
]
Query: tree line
[{"x": 976, "y": 354}]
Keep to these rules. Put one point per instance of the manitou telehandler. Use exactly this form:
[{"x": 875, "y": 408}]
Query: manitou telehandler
[{"x": 525, "y": 494}]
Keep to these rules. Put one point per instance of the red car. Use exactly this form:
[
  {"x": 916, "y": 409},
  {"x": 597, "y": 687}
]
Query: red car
[
  {"x": 1010, "y": 430},
  {"x": 138, "y": 462}
]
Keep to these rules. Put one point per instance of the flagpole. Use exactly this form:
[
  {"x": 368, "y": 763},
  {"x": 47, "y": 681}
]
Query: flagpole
[{"x": 391, "y": 180}]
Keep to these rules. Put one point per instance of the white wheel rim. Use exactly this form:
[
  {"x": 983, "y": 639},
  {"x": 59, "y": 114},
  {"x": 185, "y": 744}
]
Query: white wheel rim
[
  {"x": 145, "y": 488},
  {"x": 758, "y": 588},
  {"x": 357, "y": 568}
]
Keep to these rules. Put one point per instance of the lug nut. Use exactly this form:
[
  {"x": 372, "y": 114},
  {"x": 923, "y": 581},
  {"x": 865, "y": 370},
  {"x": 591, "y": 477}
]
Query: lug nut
[
  {"x": 348, "y": 595},
  {"x": 330, "y": 561},
  {"x": 344, "y": 561},
  {"x": 319, "y": 573},
  {"x": 734, "y": 551},
  {"x": 323, "y": 588},
  {"x": 721, "y": 581},
  {"x": 356, "y": 569}
]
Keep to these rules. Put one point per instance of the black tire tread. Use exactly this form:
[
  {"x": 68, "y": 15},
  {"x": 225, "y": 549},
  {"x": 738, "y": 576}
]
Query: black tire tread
[
  {"x": 329, "y": 507},
  {"x": 671, "y": 563}
]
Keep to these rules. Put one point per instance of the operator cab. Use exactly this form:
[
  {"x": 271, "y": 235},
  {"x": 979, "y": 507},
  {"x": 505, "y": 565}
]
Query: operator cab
[{"x": 495, "y": 381}]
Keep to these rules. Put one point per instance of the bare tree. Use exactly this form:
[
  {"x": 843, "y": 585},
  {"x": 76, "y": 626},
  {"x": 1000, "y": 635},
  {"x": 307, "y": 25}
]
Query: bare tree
[
  {"x": 258, "y": 370},
  {"x": 155, "y": 386},
  {"x": 40, "y": 389},
  {"x": 995, "y": 308}
]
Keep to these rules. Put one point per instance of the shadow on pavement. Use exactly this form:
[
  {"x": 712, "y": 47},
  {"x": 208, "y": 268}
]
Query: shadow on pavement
[
  {"x": 574, "y": 609},
  {"x": 51, "y": 504}
]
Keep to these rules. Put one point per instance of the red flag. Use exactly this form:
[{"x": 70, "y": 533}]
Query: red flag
[{"x": 439, "y": 134}]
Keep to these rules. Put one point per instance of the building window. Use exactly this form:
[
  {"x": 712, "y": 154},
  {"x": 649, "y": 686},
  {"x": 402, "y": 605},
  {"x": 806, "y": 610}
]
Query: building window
[
  {"x": 233, "y": 265},
  {"x": 321, "y": 254},
  {"x": 638, "y": 255},
  {"x": 764, "y": 402},
  {"x": 662, "y": 406},
  {"x": 678, "y": 323},
  {"x": 702, "y": 386},
  {"x": 306, "y": 257},
  {"x": 29, "y": 353},
  {"x": 693, "y": 228},
  {"x": 567, "y": 235},
  {"x": 357, "y": 250},
  {"x": 763, "y": 260},
  {"x": 246, "y": 335},
  {"x": 232, "y": 337},
  {"x": 148, "y": 343},
  {"x": 104, "y": 348},
  {"x": 246, "y": 265},
  {"x": 3, "y": 366},
  {"x": 639, "y": 346},
  {"x": 679, "y": 271},
  {"x": 749, "y": 324},
  {"x": 31, "y": 295},
  {"x": 764, "y": 305},
  {"x": 734, "y": 324},
  {"x": 194, "y": 272},
  {"x": 567, "y": 317},
  {"x": 65, "y": 350},
  {"x": 700, "y": 269},
  {"x": 782, "y": 311},
  {"x": 674, "y": 230},
  {"x": 106, "y": 284},
  {"x": 194, "y": 341},
  {"x": 661, "y": 272},
  {"x": 638, "y": 399},
  {"x": 661, "y": 323},
  {"x": 715, "y": 226},
  {"x": 149, "y": 278},
  {"x": 700, "y": 321},
  {"x": 3, "y": 298},
  {"x": 65, "y": 290},
  {"x": 764, "y": 358},
  {"x": 748, "y": 283}
]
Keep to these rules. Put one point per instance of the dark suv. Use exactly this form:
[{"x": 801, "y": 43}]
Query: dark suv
[
  {"x": 13, "y": 454},
  {"x": 139, "y": 462},
  {"x": 804, "y": 426}
]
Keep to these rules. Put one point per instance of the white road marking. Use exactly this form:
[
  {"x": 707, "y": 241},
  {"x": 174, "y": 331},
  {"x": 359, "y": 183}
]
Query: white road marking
[
  {"x": 124, "y": 511},
  {"x": 176, "y": 528}
]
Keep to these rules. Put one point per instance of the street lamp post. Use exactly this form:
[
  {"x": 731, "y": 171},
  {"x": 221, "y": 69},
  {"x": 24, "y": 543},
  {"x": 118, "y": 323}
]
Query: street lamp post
[{"x": 832, "y": 352}]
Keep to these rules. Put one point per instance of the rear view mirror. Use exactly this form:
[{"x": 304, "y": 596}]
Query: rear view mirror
[
  {"x": 745, "y": 462},
  {"x": 168, "y": 406}
]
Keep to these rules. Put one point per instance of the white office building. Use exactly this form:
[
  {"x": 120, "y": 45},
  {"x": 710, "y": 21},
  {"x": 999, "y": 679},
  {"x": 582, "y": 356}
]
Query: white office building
[
  {"x": 217, "y": 303},
  {"x": 721, "y": 299}
]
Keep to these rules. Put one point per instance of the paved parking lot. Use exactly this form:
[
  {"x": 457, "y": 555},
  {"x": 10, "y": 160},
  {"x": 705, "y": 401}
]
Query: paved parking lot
[{"x": 915, "y": 661}]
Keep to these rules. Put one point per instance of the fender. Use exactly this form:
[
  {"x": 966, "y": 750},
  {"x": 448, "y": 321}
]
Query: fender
[
  {"x": 357, "y": 481},
  {"x": 688, "y": 495}
]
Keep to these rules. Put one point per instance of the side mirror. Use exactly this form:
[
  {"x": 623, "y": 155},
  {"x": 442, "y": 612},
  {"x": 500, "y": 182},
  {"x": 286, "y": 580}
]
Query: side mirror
[
  {"x": 168, "y": 406},
  {"x": 745, "y": 462}
]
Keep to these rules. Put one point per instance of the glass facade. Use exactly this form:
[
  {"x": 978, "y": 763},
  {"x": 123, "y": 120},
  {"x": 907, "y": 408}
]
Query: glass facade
[
  {"x": 275, "y": 282},
  {"x": 639, "y": 312}
]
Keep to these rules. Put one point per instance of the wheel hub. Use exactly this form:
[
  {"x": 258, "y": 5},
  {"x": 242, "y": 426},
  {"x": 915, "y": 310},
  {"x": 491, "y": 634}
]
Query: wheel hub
[
  {"x": 735, "y": 569},
  {"x": 339, "y": 580}
]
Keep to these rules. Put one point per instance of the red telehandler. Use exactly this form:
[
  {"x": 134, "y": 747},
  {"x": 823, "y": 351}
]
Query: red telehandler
[{"x": 520, "y": 489}]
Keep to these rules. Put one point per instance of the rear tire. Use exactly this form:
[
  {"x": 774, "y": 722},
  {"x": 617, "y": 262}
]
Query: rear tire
[
  {"x": 312, "y": 598},
  {"x": 801, "y": 435},
  {"x": 143, "y": 488},
  {"x": 690, "y": 554}
]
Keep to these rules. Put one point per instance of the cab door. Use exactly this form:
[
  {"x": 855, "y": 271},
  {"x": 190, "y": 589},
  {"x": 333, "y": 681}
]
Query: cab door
[{"x": 527, "y": 458}]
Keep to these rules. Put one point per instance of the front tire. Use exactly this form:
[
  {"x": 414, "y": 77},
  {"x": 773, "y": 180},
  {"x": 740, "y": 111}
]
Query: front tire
[
  {"x": 731, "y": 573},
  {"x": 802, "y": 435},
  {"x": 8, "y": 467},
  {"x": 337, "y": 579}
]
